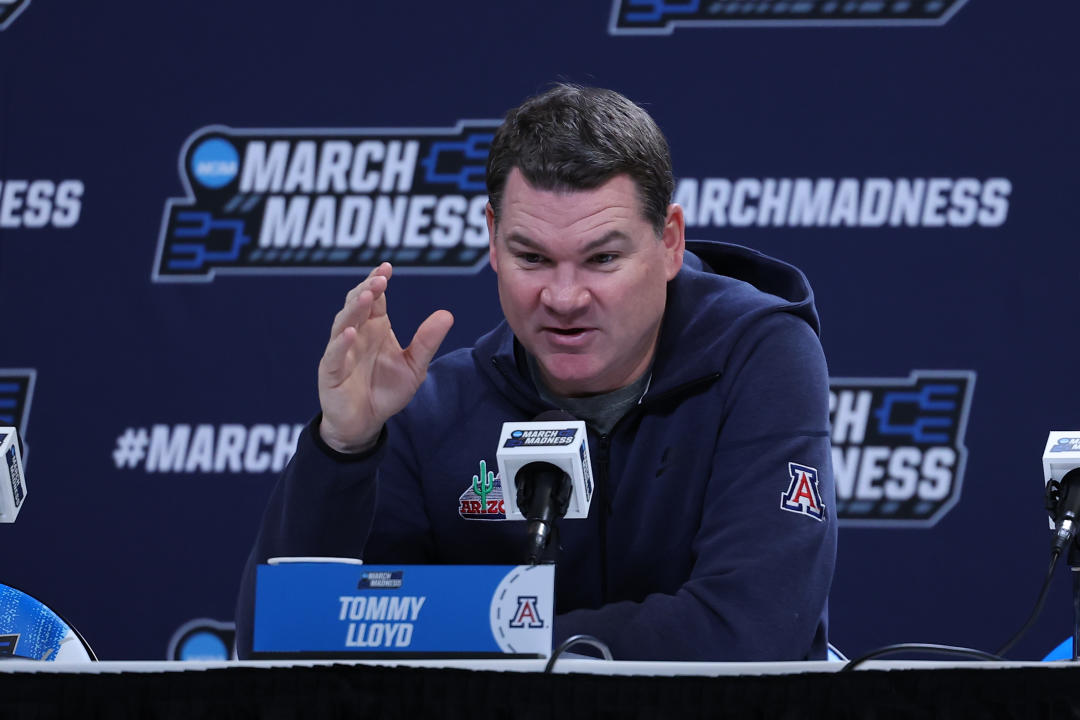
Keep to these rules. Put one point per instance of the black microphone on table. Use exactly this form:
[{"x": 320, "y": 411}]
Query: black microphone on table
[
  {"x": 1061, "y": 477},
  {"x": 547, "y": 474}
]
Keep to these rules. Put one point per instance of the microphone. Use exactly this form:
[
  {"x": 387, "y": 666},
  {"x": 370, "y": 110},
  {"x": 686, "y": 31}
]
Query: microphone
[
  {"x": 543, "y": 494},
  {"x": 547, "y": 462},
  {"x": 12, "y": 477},
  {"x": 1061, "y": 476}
]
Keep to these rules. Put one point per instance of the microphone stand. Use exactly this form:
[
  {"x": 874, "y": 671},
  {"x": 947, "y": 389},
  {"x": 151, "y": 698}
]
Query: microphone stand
[{"x": 1074, "y": 566}]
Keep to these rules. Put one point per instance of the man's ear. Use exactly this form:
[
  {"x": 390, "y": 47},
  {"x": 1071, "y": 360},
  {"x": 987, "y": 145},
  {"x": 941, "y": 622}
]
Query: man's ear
[
  {"x": 674, "y": 240},
  {"x": 489, "y": 213}
]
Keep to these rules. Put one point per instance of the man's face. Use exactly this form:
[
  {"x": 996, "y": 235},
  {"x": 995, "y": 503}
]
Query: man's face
[{"x": 583, "y": 280}]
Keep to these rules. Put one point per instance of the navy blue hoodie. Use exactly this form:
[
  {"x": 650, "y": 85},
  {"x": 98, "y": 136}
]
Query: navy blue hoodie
[{"x": 712, "y": 535}]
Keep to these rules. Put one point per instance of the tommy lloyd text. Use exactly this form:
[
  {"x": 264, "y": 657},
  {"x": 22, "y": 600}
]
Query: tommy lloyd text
[{"x": 387, "y": 621}]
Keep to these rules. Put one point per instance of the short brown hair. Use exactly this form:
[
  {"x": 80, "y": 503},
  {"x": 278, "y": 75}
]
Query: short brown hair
[{"x": 577, "y": 138}]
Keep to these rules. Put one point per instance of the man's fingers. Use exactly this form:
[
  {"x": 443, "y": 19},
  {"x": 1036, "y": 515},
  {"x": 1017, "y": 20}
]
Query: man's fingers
[
  {"x": 384, "y": 270},
  {"x": 374, "y": 285},
  {"x": 335, "y": 362},
  {"x": 356, "y": 311},
  {"x": 428, "y": 338},
  {"x": 380, "y": 279}
]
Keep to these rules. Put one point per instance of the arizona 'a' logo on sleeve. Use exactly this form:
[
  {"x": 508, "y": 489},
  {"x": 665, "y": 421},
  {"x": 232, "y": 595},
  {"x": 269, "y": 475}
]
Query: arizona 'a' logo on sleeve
[{"x": 803, "y": 495}]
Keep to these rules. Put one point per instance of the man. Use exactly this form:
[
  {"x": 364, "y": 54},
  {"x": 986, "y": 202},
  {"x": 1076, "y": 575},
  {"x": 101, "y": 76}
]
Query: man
[{"x": 712, "y": 534}]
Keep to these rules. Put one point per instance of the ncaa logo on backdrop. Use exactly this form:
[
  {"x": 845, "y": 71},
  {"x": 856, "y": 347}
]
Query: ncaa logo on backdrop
[
  {"x": 9, "y": 10},
  {"x": 327, "y": 201},
  {"x": 898, "y": 449},
  {"x": 661, "y": 17},
  {"x": 202, "y": 639}
]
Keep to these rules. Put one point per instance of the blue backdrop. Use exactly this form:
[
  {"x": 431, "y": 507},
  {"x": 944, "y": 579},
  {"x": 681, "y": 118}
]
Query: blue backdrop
[{"x": 187, "y": 192}]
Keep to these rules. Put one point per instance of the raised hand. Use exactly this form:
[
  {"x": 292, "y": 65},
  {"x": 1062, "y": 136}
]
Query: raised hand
[{"x": 365, "y": 376}]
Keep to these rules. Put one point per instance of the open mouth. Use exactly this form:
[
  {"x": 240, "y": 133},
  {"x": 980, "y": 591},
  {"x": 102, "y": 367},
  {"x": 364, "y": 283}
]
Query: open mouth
[{"x": 568, "y": 337}]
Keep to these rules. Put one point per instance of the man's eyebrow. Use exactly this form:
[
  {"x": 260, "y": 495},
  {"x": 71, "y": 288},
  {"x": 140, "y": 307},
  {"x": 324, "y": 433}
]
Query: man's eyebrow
[
  {"x": 522, "y": 240},
  {"x": 608, "y": 237},
  {"x": 612, "y": 236}
]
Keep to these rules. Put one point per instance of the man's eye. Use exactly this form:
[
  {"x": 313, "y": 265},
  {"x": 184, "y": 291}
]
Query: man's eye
[
  {"x": 603, "y": 258},
  {"x": 530, "y": 258}
]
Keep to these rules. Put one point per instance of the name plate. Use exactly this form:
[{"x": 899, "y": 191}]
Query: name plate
[{"x": 336, "y": 609}]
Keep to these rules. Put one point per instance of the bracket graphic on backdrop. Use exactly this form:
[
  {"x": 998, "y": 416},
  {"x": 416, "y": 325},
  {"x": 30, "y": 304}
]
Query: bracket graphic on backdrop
[
  {"x": 9, "y": 10},
  {"x": 898, "y": 446},
  {"x": 16, "y": 393},
  {"x": 661, "y": 17}
]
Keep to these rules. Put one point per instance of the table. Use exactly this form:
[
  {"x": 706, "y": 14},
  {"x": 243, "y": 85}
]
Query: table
[{"x": 518, "y": 689}]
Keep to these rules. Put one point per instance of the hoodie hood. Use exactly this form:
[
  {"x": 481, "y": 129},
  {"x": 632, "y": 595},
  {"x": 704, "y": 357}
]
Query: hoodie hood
[{"x": 721, "y": 291}]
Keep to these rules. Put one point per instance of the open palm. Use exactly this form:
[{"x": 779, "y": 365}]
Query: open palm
[{"x": 365, "y": 376}]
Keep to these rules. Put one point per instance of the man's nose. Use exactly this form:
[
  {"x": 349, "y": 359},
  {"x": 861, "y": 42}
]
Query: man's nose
[{"x": 564, "y": 293}]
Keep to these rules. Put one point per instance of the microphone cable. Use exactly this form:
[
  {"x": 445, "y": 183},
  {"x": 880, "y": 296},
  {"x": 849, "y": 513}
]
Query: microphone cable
[
  {"x": 955, "y": 650},
  {"x": 574, "y": 640},
  {"x": 1038, "y": 605}
]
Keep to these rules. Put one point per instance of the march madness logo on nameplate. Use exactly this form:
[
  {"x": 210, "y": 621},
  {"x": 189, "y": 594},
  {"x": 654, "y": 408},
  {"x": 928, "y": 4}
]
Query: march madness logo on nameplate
[{"x": 803, "y": 495}]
